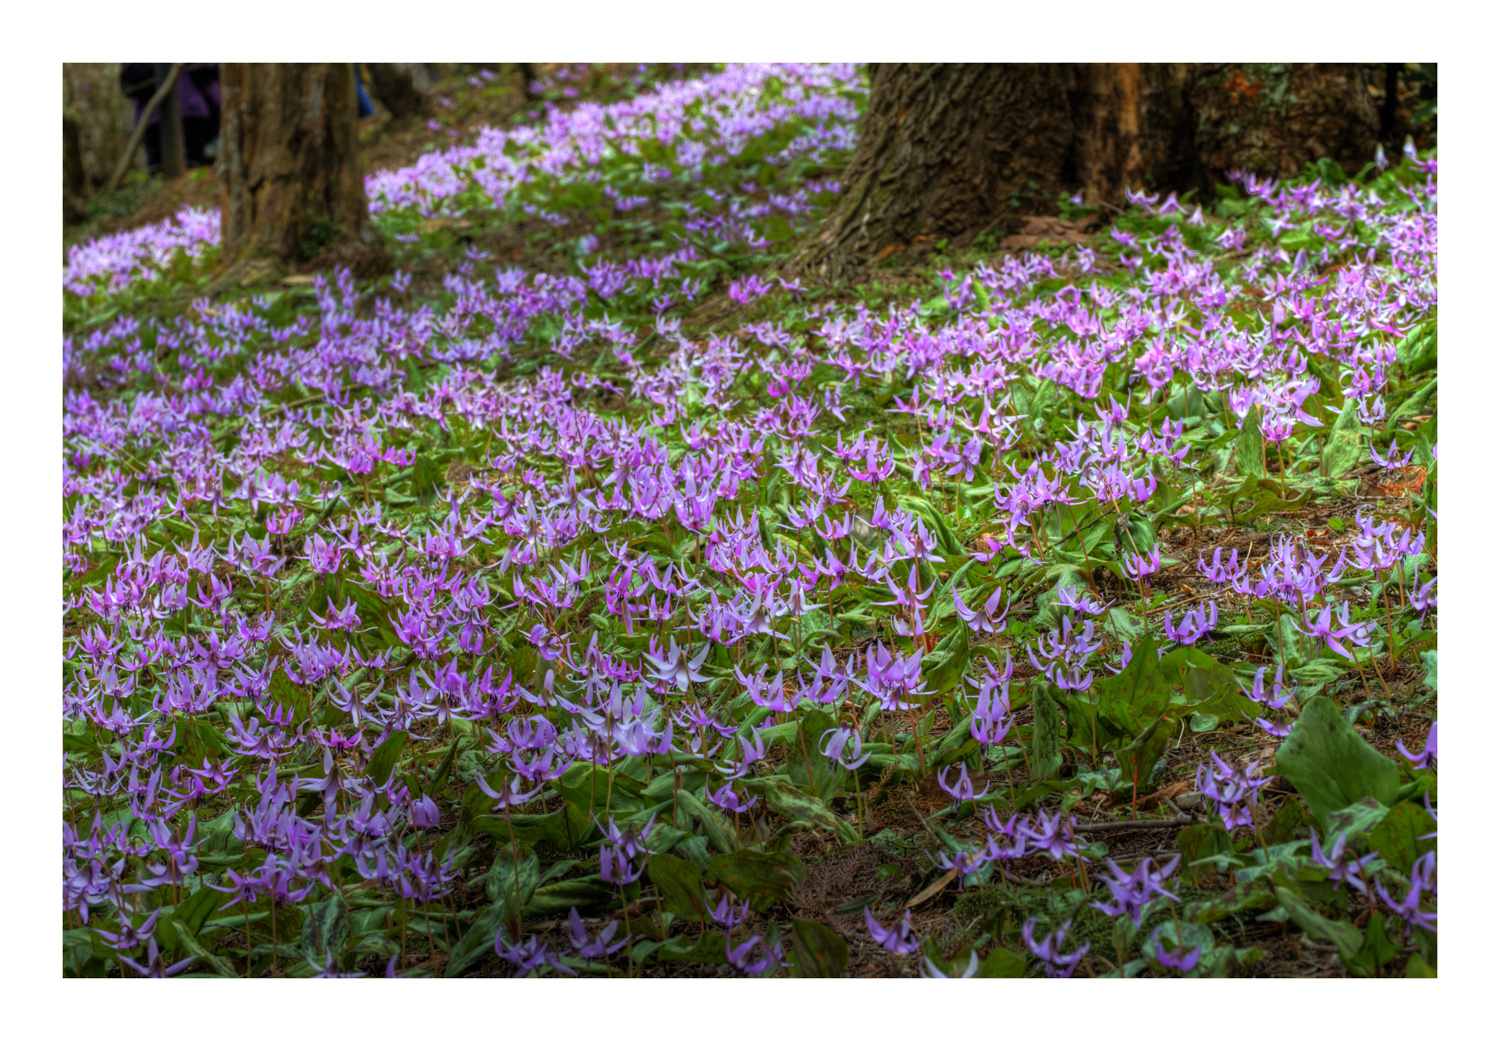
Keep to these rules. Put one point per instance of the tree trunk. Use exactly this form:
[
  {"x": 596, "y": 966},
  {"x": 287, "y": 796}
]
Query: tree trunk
[
  {"x": 75, "y": 191},
  {"x": 395, "y": 87},
  {"x": 173, "y": 147},
  {"x": 288, "y": 161},
  {"x": 952, "y": 151},
  {"x": 92, "y": 95}
]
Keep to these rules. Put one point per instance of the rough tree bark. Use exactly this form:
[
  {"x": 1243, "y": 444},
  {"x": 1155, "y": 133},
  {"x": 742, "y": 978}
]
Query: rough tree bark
[
  {"x": 75, "y": 190},
  {"x": 395, "y": 86},
  {"x": 288, "y": 162},
  {"x": 950, "y": 151}
]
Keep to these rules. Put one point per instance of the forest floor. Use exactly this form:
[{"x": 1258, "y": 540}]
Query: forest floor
[{"x": 822, "y": 844}]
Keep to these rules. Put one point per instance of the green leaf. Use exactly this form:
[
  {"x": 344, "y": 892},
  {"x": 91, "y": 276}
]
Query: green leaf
[
  {"x": 1418, "y": 969},
  {"x": 477, "y": 941},
  {"x": 1355, "y": 821},
  {"x": 770, "y": 876},
  {"x": 1137, "y": 697},
  {"x": 1002, "y": 964},
  {"x": 192, "y": 946},
  {"x": 1397, "y": 838},
  {"x": 1418, "y": 352},
  {"x": 325, "y": 928},
  {"x": 820, "y": 952},
  {"x": 424, "y": 477},
  {"x": 1412, "y": 406},
  {"x": 796, "y": 806},
  {"x": 1345, "y": 442},
  {"x": 1249, "y": 446},
  {"x": 1330, "y": 764},
  {"x": 1346, "y": 937},
  {"x": 1200, "y": 842},
  {"x": 1241, "y": 897},
  {"x": 707, "y": 818},
  {"x": 1291, "y": 818},
  {"x": 194, "y": 911},
  {"x": 557, "y": 898},
  {"x": 510, "y": 881},
  {"x": 952, "y": 657},
  {"x": 680, "y": 884},
  {"x": 807, "y": 766},
  {"x": 708, "y": 949},
  {"x": 386, "y": 757},
  {"x": 1046, "y": 735},
  {"x": 1137, "y": 758}
]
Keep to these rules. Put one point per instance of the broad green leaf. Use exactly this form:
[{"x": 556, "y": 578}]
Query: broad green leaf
[
  {"x": 1330, "y": 764},
  {"x": 1412, "y": 406},
  {"x": 478, "y": 941},
  {"x": 1249, "y": 446},
  {"x": 807, "y": 766},
  {"x": 680, "y": 884},
  {"x": 1346, "y": 937},
  {"x": 1137, "y": 758},
  {"x": 1002, "y": 964},
  {"x": 820, "y": 952},
  {"x": 1200, "y": 842},
  {"x": 1418, "y": 352},
  {"x": 511, "y": 881},
  {"x": 1418, "y": 969},
  {"x": 1137, "y": 697},
  {"x": 325, "y": 928},
  {"x": 1345, "y": 446},
  {"x": 707, "y": 818},
  {"x": 386, "y": 757},
  {"x": 558, "y": 897},
  {"x": 794, "y": 805},
  {"x": 709, "y": 948},
  {"x": 192, "y": 946},
  {"x": 1398, "y": 837},
  {"x": 749, "y": 873},
  {"x": 1241, "y": 897},
  {"x": 195, "y": 910},
  {"x": 1046, "y": 735},
  {"x": 951, "y": 656}
]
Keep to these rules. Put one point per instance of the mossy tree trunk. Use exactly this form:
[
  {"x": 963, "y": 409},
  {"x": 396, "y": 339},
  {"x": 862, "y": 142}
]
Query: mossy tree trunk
[
  {"x": 950, "y": 151},
  {"x": 288, "y": 164}
]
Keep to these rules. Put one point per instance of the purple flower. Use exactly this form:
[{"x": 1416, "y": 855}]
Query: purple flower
[
  {"x": 674, "y": 668},
  {"x": 1323, "y": 628},
  {"x": 1409, "y": 908},
  {"x": 834, "y": 743},
  {"x": 987, "y": 619},
  {"x": 1049, "y": 951},
  {"x": 898, "y": 939},
  {"x": 933, "y": 971},
  {"x": 729, "y": 801},
  {"x": 1342, "y": 864},
  {"x": 156, "y": 965},
  {"x": 962, "y": 790},
  {"x": 528, "y": 956},
  {"x": 1233, "y": 790},
  {"x": 592, "y": 948},
  {"x": 1134, "y": 891},
  {"x": 1181, "y": 958},
  {"x": 1137, "y": 566},
  {"x": 744, "y": 959},
  {"x": 1195, "y": 623},
  {"x": 1428, "y": 755},
  {"x": 1053, "y": 835}
]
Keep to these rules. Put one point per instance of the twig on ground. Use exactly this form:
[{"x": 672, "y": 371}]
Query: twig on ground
[{"x": 1176, "y": 822}]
